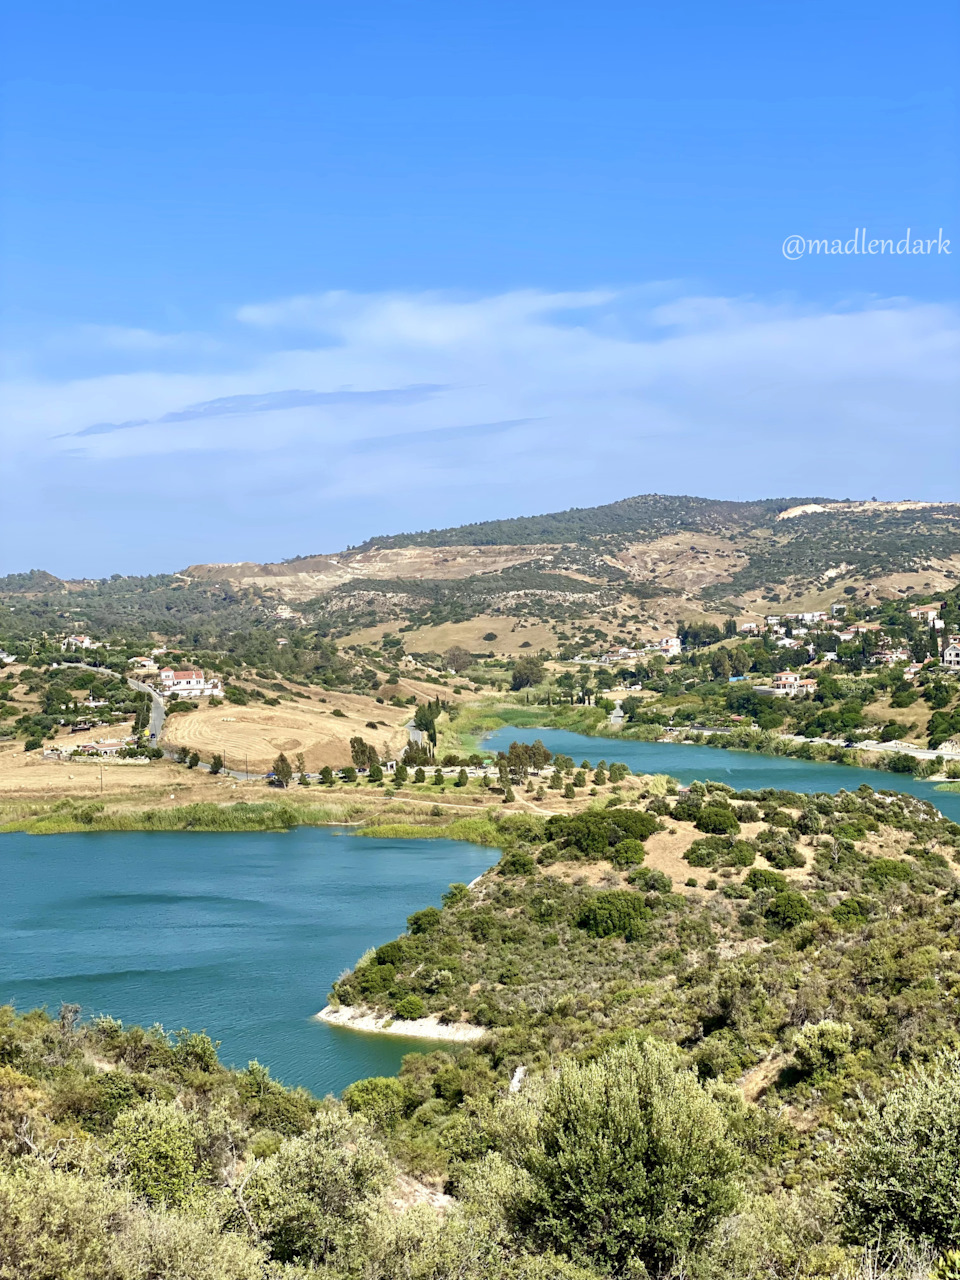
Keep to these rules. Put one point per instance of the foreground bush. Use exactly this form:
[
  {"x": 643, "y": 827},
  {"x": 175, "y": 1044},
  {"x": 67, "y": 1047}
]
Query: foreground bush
[
  {"x": 630, "y": 1163},
  {"x": 63, "y": 1226},
  {"x": 901, "y": 1179}
]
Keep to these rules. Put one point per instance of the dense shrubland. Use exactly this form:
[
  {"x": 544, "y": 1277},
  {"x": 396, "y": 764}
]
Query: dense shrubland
[{"x": 758, "y": 1078}]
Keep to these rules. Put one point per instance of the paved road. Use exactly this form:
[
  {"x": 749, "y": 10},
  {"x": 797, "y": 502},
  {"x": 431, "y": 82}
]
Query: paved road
[{"x": 157, "y": 713}]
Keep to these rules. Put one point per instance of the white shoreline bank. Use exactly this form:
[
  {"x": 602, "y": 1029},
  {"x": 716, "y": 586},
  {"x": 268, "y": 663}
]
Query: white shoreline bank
[{"x": 361, "y": 1018}]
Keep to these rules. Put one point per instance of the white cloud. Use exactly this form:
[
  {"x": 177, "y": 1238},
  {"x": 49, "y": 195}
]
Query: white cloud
[{"x": 605, "y": 393}]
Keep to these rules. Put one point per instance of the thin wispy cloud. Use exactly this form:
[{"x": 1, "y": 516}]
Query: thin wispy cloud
[
  {"x": 266, "y": 403},
  {"x": 429, "y": 409}
]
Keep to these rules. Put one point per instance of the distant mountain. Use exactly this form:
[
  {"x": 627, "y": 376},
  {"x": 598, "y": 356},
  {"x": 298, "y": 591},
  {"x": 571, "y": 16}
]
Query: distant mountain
[
  {"x": 647, "y": 515},
  {"x": 656, "y": 555}
]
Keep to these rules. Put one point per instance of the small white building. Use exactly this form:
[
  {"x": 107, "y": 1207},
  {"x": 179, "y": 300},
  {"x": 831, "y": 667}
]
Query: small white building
[
  {"x": 928, "y": 613},
  {"x": 786, "y": 681},
  {"x": 77, "y": 642},
  {"x": 951, "y": 655},
  {"x": 190, "y": 683}
]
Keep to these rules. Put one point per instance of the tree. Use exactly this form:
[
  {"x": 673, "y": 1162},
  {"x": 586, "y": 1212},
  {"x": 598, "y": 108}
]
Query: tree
[
  {"x": 376, "y": 772},
  {"x": 400, "y": 774},
  {"x": 462, "y": 779},
  {"x": 902, "y": 1171},
  {"x": 193, "y": 760},
  {"x": 457, "y": 658},
  {"x": 282, "y": 770},
  {"x": 216, "y": 764},
  {"x": 419, "y": 775},
  {"x": 527, "y": 671},
  {"x": 630, "y": 1162},
  {"x": 361, "y": 753},
  {"x": 349, "y": 774},
  {"x": 326, "y": 776}
]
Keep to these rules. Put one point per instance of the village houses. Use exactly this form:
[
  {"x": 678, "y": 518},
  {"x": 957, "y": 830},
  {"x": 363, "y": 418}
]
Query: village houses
[{"x": 190, "y": 683}]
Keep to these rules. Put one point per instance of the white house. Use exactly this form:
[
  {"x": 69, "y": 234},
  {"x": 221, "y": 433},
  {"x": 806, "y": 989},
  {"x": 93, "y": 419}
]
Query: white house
[
  {"x": 669, "y": 646},
  {"x": 786, "y": 681},
  {"x": 951, "y": 654},
  {"x": 190, "y": 683},
  {"x": 928, "y": 613},
  {"x": 77, "y": 642}
]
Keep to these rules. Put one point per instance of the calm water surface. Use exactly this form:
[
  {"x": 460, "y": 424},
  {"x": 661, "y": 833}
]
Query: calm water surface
[
  {"x": 243, "y": 934},
  {"x": 240, "y": 934},
  {"x": 744, "y": 770}
]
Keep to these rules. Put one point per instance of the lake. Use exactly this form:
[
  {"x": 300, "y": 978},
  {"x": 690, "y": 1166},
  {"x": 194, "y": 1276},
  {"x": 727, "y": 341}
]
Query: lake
[
  {"x": 238, "y": 934},
  {"x": 243, "y": 934},
  {"x": 744, "y": 770}
]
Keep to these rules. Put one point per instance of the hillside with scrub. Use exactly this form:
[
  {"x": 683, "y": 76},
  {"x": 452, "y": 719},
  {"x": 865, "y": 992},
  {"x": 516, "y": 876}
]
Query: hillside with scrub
[{"x": 751, "y": 1069}]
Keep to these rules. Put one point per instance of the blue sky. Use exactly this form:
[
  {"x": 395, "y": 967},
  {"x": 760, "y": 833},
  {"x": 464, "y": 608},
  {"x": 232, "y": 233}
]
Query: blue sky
[{"x": 274, "y": 278}]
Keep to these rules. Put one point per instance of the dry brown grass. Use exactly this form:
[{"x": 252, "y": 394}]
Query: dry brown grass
[{"x": 254, "y": 735}]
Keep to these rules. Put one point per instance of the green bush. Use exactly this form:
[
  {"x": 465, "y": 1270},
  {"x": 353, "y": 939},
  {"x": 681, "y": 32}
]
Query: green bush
[
  {"x": 155, "y": 1149},
  {"x": 647, "y": 880},
  {"x": 886, "y": 871},
  {"x": 720, "y": 851},
  {"x": 630, "y": 1165},
  {"x": 410, "y": 1008},
  {"x": 788, "y": 909},
  {"x": 902, "y": 1172},
  {"x": 614, "y": 914},
  {"x": 820, "y": 1046},
  {"x": 850, "y": 912},
  {"x": 627, "y": 853},
  {"x": 717, "y": 820},
  {"x": 312, "y": 1202},
  {"x": 424, "y": 921},
  {"x": 516, "y": 863},
  {"x": 381, "y": 1099},
  {"x": 760, "y": 878}
]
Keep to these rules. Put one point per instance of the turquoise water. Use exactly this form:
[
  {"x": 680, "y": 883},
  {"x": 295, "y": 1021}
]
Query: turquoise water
[
  {"x": 238, "y": 934},
  {"x": 242, "y": 935},
  {"x": 744, "y": 770}
]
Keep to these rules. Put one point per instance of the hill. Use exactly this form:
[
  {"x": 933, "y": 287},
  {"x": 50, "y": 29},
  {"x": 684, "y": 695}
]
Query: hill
[
  {"x": 628, "y": 568},
  {"x": 753, "y": 1075}
]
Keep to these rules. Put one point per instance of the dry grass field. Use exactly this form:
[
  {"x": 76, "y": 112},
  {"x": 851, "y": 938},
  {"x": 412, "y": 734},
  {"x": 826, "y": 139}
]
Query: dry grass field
[
  {"x": 510, "y": 633},
  {"x": 27, "y": 775},
  {"x": 252, "y": 736}
]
